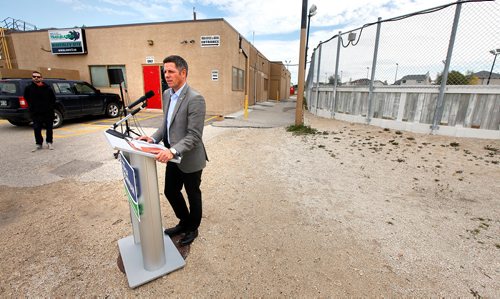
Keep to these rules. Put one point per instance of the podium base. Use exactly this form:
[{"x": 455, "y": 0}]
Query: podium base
[{"x": 131, "y": 254}]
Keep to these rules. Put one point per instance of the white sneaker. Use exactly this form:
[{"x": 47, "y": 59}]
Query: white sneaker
[
  {"x": 38, "y": 147},
  {"x": 50, "y": 146}
]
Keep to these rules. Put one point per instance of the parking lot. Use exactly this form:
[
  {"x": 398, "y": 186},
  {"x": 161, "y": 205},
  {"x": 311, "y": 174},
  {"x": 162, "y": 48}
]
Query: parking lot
[{"x": 79, "y": 145}]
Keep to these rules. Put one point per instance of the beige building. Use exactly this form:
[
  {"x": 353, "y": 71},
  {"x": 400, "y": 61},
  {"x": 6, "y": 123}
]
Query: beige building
[{"x": 220, "y": 60}]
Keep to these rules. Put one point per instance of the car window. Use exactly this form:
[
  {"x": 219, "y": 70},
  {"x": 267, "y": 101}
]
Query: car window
[
  {"x": 8, "y": 88},
  {"x": 62, "y": 88},
  {"x": 84, "y": 88}
]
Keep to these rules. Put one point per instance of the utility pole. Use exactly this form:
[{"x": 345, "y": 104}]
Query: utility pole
[{"x": 299, "y": 113}]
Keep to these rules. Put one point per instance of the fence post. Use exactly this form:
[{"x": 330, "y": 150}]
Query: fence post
[
  {"x": 374, "y": 65},
  {"x": 310, "y": 81},
  {"x": 439, "y": 105},
  {"x": 317, "y": 77},
  {"x": 335, "y": 81}
]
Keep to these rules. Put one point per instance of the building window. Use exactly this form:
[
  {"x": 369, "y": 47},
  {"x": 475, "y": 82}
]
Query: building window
[
  {"x": 99, "y": 75},
  {"x": 238, "y": 79}
]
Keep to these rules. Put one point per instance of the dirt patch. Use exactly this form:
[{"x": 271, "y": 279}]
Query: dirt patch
[{"x": 353, "y": 210}]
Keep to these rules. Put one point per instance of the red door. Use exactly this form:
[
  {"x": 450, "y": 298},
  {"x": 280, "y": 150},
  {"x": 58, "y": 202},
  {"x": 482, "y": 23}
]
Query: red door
[{"x": 152, "y": 81}]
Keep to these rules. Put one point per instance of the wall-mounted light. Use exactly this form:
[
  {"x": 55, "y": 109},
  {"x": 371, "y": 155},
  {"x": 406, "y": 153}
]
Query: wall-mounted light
[{"x": 151, "y": 42}]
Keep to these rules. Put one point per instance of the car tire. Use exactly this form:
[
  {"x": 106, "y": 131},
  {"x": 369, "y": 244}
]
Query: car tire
[
  {"x": 112, "y": 110},
  {"x": 19, "y": 123},
  {"x": 58, "y": 119}
]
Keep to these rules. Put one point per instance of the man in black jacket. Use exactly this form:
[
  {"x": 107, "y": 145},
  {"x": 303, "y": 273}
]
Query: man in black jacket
[{"x": 41, "y": 101}]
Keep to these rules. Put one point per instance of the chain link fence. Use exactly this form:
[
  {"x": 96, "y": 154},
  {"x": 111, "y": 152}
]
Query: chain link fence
[{"x": 458, "y": 41}]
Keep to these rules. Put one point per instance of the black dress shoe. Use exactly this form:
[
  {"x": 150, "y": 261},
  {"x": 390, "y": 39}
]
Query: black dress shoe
[
  {"x": 174, "y": 231},
  {"x": 189, "y": 238}
]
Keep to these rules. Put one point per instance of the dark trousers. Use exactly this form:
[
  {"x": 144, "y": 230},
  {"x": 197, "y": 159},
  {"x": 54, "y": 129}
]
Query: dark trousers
[
  {"x": 37, "y": 128},
  {"x": 190, "y": 219}
]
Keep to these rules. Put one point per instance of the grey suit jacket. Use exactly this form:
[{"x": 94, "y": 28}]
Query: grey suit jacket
[{"x": 186, "y": 129}]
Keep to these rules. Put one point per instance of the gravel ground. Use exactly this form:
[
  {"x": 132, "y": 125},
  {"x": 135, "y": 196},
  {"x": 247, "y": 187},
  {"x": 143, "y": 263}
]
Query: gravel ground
[{"x": 354, "y": 210}]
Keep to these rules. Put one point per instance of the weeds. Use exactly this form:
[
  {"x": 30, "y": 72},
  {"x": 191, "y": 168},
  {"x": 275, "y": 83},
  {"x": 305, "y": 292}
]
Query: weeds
[
  {"x": 301, "y": 130},
  {"x": 491, "y": 148}
]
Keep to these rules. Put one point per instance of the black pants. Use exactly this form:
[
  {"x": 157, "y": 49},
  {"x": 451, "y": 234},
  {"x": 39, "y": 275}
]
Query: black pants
[
  {"x": 37, "y": 128},
  {"x": 190, "y": 219}
]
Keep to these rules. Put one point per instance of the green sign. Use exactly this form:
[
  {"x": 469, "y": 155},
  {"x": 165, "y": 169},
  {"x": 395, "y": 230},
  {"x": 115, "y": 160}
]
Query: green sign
[
  {"x": 136, "y": 207},
  {"x": 131, "y": 182},
  {"x": 67, "y": 41}
]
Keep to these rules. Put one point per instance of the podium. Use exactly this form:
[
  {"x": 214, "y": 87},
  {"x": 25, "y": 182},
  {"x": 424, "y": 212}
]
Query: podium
[{"x": 147, "y": 254}]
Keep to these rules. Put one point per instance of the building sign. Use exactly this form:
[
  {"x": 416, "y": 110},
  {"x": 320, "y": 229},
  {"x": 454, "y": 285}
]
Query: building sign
[
  {"x": 215, "y": 75},
  {"x": 150, "y": 59},
  {"x": 210, "y": 40},
  {"x": 67, "y": 41},
  {"x": 131, "y": 182}
]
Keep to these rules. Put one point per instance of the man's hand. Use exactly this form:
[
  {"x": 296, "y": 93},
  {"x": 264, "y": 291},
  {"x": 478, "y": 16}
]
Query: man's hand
[
  {"x": 164, "y": 156},
  {"x": 145, "y": 138}
]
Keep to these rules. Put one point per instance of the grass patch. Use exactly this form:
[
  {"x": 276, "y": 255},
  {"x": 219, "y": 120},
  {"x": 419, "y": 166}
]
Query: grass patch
[{"x": 301, "y": 130}]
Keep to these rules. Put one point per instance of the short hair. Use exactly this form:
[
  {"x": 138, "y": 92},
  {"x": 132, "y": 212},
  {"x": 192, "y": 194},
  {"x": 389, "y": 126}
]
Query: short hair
[
  {"x": 36, "y": 72},
  {"x": 179, "y": 62}
]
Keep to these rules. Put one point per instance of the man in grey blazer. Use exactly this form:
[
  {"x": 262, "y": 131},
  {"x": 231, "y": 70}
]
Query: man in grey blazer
[{"x": 181, "y": 132}]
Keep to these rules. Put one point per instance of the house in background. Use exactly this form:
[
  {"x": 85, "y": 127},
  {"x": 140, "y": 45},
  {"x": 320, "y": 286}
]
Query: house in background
[
  {"x": 414, "y": 80},
  {"x": 364, "y": 82},
  {"x": 484, "y": 75}
]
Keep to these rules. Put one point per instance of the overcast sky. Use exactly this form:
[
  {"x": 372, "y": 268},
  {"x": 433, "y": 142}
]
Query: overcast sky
[{"x": 272, "y": 25}]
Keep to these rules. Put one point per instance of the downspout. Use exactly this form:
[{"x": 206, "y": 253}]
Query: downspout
[{"x": 247, "y": 79}]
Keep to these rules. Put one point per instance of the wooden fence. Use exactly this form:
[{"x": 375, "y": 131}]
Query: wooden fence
[{"x": 469, "y": 110}]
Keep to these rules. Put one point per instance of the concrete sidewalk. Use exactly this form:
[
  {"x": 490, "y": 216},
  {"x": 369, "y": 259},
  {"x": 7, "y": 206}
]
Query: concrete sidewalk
[{"x": 269, "y": 114}]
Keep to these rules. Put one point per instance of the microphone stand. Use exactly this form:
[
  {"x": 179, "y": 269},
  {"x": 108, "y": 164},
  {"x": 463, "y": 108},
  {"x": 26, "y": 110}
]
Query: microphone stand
[
  {"x": 125, "y": 119},
  {"x": 128, "y": 130},
  {"x": 125, "y": 135}
]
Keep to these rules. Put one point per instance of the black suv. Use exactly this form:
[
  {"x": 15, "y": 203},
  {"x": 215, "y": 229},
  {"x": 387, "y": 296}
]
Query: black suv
[{"x": 73, "y": 99}]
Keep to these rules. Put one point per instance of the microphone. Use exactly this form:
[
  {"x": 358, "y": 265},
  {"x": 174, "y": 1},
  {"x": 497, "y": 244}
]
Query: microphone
[{"x": 148, "y": 95}]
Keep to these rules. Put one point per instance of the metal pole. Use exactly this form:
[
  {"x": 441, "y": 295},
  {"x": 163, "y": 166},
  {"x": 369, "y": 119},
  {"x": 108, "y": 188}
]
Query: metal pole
[
  {"x": 335, "y": 81},
  {"x": 374, "y": 66},
  {"x": 310, "y": 80},
  {"x": 396, "y": 75},
  {"x": 439, "y": 105},
  {"x": 317, "y": 78},
  {"x": 255, "y": 83},
  {"x": 307, "y": 38},
  {"x": 491, "y": 71},
  {"x": 299, "y": 113}
]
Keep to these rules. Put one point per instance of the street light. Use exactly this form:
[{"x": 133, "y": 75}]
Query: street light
[
  {"x": 312, "y": 12},
  {"x": 494, "y": 52},
  {"x": 287, "y": 62},
  {"x": 396, "y": 76}
]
